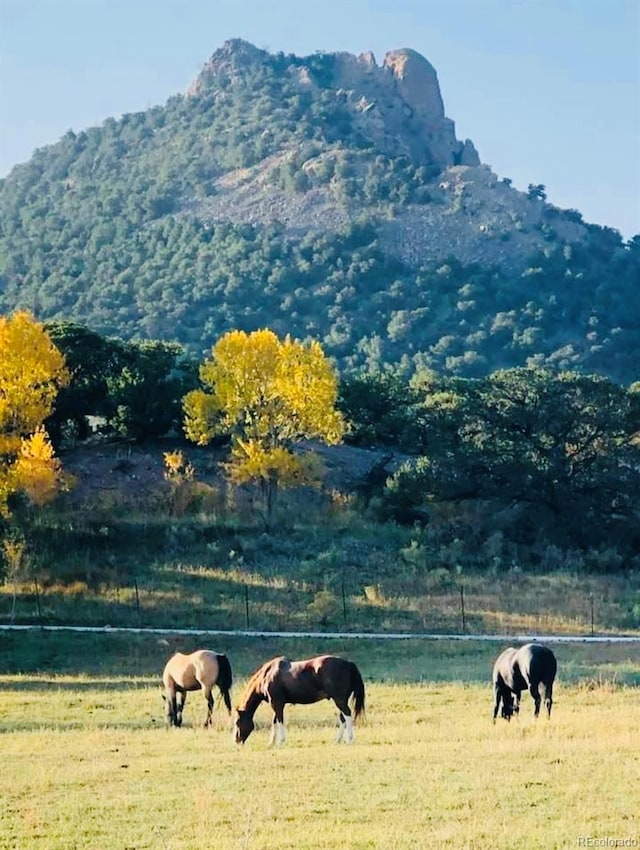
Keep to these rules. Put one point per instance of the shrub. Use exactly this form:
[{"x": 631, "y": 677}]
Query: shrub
[{"x": 324, "y": 606}]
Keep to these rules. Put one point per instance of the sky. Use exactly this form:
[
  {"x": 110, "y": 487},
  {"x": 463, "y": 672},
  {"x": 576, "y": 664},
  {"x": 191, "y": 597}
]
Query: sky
[{"x": 548, "y": 90}]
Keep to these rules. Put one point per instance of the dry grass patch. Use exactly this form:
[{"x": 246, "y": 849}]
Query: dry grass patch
[{"x": 88, "y": 764}]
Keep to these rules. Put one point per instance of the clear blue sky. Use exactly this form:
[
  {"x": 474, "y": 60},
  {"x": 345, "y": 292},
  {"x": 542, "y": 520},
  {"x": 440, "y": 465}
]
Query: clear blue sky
[{"x": 548, "y": 90}]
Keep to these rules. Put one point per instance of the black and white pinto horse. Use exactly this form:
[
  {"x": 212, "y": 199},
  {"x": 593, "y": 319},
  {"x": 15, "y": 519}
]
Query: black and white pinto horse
[{"x": 529, "y": 668}]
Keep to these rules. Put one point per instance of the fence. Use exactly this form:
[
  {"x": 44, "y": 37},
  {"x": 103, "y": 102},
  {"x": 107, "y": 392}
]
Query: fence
[{"x": 342, "y": 606}]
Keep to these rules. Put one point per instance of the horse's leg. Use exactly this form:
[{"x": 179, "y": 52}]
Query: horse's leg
[
  {"x": 516, "y": 702},
  {"x": 169, "y": 697},
  {"x": 349, "y": 733},
  {"x": 498, "y": 699},
  {"x": 341, "y": 728},
  {"x": 548, "y": 698},
  {"x": 346, "y": 731},
  {"x": 535, "y": 693},
  {"x": 278, "y": 732},
  {"x": 274, "y": 737},
  {"x": 179, "y": 701},
  {"x": 208, "y": 695}
]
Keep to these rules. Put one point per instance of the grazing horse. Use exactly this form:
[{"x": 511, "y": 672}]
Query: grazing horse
[
  {"x": 281, "y": 681},
  {"x": 201, "y": 670},
  {"x": 517, "y": 670}
]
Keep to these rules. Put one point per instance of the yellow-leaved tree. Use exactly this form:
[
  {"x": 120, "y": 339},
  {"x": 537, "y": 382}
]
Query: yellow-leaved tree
[
  {"x": 32, "y": 370},
  {"x": 268, "y": 394}
]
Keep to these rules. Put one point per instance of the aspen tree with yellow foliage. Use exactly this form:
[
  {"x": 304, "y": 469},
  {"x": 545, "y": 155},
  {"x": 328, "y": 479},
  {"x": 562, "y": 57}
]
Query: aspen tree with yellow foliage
[
  {"x": 267, "y": 394},
  {"x": 32, "y": 370}
]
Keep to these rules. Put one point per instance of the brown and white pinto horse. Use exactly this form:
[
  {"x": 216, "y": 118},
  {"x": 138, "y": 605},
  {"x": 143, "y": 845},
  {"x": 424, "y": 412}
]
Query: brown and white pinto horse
[
  {"x": 200, "y": 670},
  {"x": 281, "y": 681}
]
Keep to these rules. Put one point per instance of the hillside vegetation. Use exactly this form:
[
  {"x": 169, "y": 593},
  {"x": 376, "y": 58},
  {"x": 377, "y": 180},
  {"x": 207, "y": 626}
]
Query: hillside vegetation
[
  {"x": 482, "y": 485},
  {"x": 322, "y": 196}
]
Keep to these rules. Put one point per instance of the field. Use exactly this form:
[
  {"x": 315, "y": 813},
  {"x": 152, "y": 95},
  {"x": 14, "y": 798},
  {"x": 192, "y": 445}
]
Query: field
[{"x": 88, "y": 764}]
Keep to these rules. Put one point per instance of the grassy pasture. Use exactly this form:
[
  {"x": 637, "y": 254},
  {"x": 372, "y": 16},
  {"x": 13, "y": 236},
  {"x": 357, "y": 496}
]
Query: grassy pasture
[{"x": 88, "y": 764}]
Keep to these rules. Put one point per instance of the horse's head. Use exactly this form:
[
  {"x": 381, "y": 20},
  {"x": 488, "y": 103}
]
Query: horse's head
[
  {"x": 508, "y": 708},
  {"x": 243, "y": 726}
]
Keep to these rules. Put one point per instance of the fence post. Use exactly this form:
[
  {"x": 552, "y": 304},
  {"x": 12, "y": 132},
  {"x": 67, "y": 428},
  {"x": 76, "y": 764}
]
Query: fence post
[
  {"x": 246, "y": 603},
  {"x": 592, "y": 617},
  {"x": 344, "y": 605},
  {"x": 35, "y": 582},
  {"x": 135, "y": 586},
  {"x": 464, "y": 621}
]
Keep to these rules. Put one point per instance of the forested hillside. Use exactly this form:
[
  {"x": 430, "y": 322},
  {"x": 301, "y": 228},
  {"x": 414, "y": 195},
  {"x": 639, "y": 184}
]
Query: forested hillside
[{"x": 326, "y": 197}]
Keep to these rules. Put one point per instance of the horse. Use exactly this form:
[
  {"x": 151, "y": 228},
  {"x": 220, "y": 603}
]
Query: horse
[
  {"x": 516, "y": 670},
  {"x": 281, "y": 681},
  {"x": 201, "y": 669}
]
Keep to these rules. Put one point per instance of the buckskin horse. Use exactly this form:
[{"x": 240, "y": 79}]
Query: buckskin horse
[
  {"x": 281, "y": 681},
  {"x": 200, "y": 670},
  {"x": 517, "y": 670}
]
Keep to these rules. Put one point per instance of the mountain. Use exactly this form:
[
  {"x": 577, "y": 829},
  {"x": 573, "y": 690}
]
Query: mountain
[{"x": 325, "y": 196}]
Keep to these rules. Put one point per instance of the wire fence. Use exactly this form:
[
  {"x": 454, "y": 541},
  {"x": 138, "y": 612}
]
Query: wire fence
[{"x": 341, "y": 608}]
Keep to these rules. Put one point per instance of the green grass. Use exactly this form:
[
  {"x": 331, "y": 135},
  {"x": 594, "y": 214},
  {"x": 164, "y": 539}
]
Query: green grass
[
  {"x": 142, "y": 656},
  {"x": 277, "y": 592},
  {"x": 87, "y": 763}
]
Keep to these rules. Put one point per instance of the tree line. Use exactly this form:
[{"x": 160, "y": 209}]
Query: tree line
[
  {"x": 538, "y": 455},
  {"x": 523, "y": 455}
]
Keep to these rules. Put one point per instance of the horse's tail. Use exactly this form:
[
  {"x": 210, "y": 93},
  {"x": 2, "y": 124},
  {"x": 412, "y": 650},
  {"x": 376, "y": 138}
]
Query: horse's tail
[
  {"x": 357, "y": 687},
  {"x": 225, "y": 679}
]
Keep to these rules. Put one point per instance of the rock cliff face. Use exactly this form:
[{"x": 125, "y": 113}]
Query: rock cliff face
[
  {"x": 397, "y": 105},
  {"x": 326, "y": 197},
  {"x": 415, "y": 83},
  {"x": 395, "y": 109}
]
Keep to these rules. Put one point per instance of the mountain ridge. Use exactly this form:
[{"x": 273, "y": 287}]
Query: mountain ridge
[{"x": 324, "y": 196}]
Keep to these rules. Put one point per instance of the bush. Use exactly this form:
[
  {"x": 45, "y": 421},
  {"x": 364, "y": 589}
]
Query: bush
[{"x": 324, "y": 606}]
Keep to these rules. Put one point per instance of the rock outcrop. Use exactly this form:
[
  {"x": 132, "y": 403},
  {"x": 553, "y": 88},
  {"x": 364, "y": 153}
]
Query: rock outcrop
[
  {"x": 397, "y": 105},
  {"x": 414, "y": 83},
  {"x": 230, "y": 60}
]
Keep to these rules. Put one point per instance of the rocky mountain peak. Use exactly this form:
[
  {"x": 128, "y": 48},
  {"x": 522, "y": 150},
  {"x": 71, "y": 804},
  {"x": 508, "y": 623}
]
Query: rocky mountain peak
[
  {"x": 403, "y": 105},
  {"x": 417, "y": 81},
  {"x": 230, "y": 60},
  {"x": 397, "y": 105}
]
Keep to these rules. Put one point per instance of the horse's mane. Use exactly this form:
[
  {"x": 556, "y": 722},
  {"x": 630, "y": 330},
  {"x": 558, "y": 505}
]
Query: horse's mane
[{"x": 257, "y": 679}]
